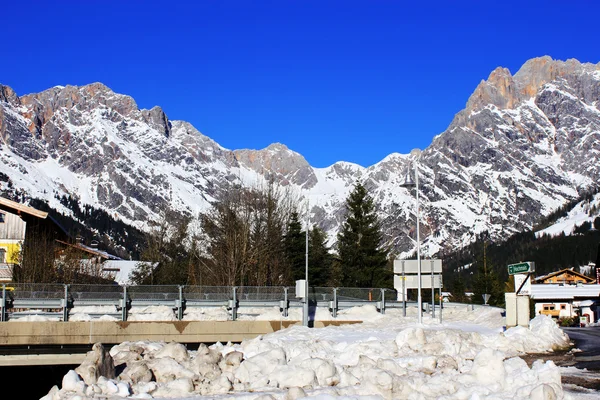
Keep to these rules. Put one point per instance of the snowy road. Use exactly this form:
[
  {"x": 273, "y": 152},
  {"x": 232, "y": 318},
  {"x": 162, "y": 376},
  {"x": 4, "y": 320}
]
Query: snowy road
[{"x": 588, "y": 341}]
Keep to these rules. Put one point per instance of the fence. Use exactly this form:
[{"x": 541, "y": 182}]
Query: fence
[{"x": 58, "y": 300}]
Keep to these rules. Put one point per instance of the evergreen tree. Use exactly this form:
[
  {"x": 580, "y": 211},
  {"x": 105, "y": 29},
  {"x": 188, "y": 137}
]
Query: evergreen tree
[
  {"x": 363, "y": 260},
  {"x": 295, "y": 247},
  {"x": 319, "y": 258},
  {"x": 486, "y": 281},
  {"x": 458, "y": 289}
]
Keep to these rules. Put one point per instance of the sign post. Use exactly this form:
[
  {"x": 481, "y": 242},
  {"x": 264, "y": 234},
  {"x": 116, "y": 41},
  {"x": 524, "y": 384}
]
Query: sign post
[
  {"x": 486, "y": 297},
  {"x": 519, "y": 304},
  {"x": 521, "y": 268}
]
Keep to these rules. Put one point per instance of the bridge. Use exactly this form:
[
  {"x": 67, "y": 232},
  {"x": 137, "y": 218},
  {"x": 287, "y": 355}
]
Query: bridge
[
  {"x": 36, "y": 326},
  {"x": 57, "y": 342}
]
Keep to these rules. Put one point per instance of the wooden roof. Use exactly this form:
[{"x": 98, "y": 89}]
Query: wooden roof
[
  {"x": 563, "y": 271},
  {"x": 89, "y": 250},
  {"x": 17, "y": 208}
]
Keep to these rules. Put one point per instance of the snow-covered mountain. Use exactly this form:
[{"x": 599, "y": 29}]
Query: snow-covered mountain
[{"x": 523, "y": 146}]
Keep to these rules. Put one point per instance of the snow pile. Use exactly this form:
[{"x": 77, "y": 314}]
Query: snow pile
[{"x": 385, "y": 357}]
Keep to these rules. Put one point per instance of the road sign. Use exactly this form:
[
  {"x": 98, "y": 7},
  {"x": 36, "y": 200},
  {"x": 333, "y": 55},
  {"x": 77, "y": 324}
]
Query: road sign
[
  {"x": 525, "y": 287},
  {"x": 412, "y": 282},
  {"x": 486, "y": 297},
  {"x": 521, "y": 268},
  {"x": 412, "y": 266}
]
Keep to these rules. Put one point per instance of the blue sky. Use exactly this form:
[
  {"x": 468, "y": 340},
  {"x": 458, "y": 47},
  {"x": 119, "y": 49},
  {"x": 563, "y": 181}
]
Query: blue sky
[{"x": 333, "y": 80}]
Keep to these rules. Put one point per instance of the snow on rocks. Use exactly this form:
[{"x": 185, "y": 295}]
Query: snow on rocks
[
  {"x": 97, "y": 363},
  {"x": 384, "y": 357}
]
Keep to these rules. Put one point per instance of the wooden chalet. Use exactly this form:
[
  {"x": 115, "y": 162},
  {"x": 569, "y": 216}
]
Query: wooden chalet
[{"x": 566, "y": 277}]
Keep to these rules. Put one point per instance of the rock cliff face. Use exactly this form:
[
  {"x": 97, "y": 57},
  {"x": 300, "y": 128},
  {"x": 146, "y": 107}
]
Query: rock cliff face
[{"x": 523, "y": 146}]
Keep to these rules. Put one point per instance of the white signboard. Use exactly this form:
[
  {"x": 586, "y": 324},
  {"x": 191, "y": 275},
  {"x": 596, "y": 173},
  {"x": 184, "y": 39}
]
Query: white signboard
[
  {"x": 526, "y": 289},
  {"x": 412, "y": 266},
  {"x": 412, "y": 282}
]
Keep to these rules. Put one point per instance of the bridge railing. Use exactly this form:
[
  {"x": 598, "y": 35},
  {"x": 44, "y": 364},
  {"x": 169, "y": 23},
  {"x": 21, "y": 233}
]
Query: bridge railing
[{"x": 60, "y": 301}]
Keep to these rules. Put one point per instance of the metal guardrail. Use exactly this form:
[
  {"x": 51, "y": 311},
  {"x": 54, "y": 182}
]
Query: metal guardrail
[{"x": 57, "y": 300}]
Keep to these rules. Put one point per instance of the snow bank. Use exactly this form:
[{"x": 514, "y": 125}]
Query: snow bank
[{"x": 387, "y": 356}]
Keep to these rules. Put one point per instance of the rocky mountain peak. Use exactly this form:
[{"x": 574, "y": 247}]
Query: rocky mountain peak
[
  {"x": 278, "y": 147},
  {"x": 277, "y": 161},
  {"x": 82, "y": 98},
  {"x": 157, "y": 119},
  {"x": 499, "y": 90},
  {"x": 538, "y": 71},
  {"x": 8, "y": 95}
]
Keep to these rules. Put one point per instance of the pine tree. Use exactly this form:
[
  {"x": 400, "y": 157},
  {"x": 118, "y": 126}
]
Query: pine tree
[
  {"x": 458, "y": 289},
  {"x": 363, "y": 260},
  {"x": 486, "y": 281},
  {"x": 295, "y": 248},
  {"x": 319, "y": 258}
]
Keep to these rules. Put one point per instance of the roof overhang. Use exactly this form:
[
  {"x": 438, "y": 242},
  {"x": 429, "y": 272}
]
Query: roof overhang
[
  {"x": 564, "y": 292},
  {"x": 17, "y": 208}
]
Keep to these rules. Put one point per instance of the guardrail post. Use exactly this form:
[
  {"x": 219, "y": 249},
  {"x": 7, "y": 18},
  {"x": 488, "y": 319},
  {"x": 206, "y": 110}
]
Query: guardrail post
[
  {"x": 333, "y": 304},
  {"x": 432, "y": 292},
  {"x": 3, "y": 316},
  {"x": 233, "y": 304},
  {"x": 65, "y": 308},
  {"x": 441, "y": 303},
  {"x": 286, "y": 304},
  {"x": 382, "y": 302},
  {"x": 124, "y": 304},
  {"x": 404, "y": 291},
  {"x": 180, "y": 304}
]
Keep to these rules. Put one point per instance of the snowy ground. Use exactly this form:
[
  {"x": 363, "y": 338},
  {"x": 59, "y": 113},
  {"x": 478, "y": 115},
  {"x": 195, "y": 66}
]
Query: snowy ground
[{"x": 468, "y": 356}]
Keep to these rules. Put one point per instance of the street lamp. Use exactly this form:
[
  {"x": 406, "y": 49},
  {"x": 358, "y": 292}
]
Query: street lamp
[
  {"x": 409, "y": 184},
  {"x": 305, "y": 309}
]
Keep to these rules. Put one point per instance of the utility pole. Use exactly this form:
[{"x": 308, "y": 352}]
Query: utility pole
[{"x": 305, "y": 310}]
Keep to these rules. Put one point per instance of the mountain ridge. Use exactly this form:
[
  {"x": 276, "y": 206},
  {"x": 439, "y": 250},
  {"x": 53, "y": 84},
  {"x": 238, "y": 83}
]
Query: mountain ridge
[{"x": 522, "y": 146}]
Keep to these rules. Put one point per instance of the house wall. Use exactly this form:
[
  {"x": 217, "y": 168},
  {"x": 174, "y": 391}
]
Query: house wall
[
  {"x": 13, "y": 227},
  {"x": 555, "y": 309},
  {"x": 11, "y": 249}
]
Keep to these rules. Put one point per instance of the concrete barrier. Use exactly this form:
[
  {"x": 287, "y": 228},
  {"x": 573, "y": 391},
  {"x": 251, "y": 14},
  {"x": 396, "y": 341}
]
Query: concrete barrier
[{"x": 53, "y": 333}]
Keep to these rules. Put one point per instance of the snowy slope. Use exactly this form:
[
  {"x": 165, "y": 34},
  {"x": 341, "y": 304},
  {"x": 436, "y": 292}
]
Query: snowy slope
[{"x": 585, "y": 211}]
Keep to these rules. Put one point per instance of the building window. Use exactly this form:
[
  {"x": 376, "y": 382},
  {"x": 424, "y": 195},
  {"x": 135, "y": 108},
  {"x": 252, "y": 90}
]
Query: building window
[
  {"x": 563, "y": 306},
  {"x": 2, "y": 255},
  {"x": 2, "y": 217}
]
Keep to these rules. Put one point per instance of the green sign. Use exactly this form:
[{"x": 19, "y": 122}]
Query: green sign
[{"x": 521, "y": 268}]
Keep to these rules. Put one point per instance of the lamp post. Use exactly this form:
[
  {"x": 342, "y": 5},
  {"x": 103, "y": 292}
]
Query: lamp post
[
  {"x": 409, "y": 184},
  {"x": 305, "y": 308}
]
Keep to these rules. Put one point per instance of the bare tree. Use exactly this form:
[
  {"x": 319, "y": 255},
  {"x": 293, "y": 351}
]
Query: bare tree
[
  {"x": 36, "y": 259},
  {"x": 245, "y": 232}
]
